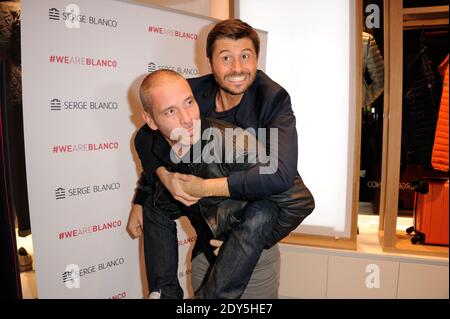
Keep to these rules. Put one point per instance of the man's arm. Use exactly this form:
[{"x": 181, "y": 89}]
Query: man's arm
[
  {"x": 143, "y": 190},
  {"x": 188, "y": 189},
  {"x": 135, "y": 221},
  {"x": 251, "y": 184},
  {"x": 246, "y": 181},
  {"x": 143, "y": 144}
]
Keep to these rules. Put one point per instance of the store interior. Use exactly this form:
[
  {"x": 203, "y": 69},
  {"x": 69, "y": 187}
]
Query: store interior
[{"x": 422, "y": 39}]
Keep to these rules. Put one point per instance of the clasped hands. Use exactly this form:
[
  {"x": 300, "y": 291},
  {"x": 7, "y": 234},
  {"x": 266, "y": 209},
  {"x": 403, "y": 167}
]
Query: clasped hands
[{"x": 187, "y": 189}]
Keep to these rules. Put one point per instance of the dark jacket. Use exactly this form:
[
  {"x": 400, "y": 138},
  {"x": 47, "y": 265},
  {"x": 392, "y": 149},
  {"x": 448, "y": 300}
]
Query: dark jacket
[
  {"x": 264, "y": 105},
  {"x": 419, "y": 112},
  {"x": 220, "y": 213}
]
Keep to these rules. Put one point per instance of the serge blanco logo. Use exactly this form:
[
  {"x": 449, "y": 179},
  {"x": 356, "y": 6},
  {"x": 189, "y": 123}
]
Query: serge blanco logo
[
  {"x": 55, "y": 105},
  {"x": 59, "y": 105},
  {"x": 185, "y": 71},
  {"x": 73, "y": 17},
  {"x": 60, "y": 193},
  {"x": 63, "y": 193},
  {"x": 151, "y": 67},
  {"x": 73, "y": 273},
  {"x": 54, "y": 14}
]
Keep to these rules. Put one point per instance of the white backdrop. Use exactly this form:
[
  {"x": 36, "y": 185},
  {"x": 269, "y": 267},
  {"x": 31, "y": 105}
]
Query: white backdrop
[
  {"x": 82, "y": 65},
  {"x": 310, "y": 53}
]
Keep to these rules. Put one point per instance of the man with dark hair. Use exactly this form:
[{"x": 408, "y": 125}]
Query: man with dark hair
[
  {"x": 234, "y": 29},
  {"x": 237, "y": 93}
]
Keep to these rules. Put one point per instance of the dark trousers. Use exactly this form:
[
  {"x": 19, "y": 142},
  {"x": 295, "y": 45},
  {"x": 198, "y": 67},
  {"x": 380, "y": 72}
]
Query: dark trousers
[
  {"x": 161, "y": 253},
  {"x": 239, "y": 254},
  {"x": 234, "y": 265}
]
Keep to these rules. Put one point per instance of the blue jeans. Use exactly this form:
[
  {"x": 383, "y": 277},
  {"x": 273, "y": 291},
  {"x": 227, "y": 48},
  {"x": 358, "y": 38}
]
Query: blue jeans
[
  {"x": 239, "y": 254},
  {"x": 234, "y": 265},
  {"x": 161, "y": 253}
]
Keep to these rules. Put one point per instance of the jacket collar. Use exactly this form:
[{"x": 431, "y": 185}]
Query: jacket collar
[{"x": 208, "y": 98}]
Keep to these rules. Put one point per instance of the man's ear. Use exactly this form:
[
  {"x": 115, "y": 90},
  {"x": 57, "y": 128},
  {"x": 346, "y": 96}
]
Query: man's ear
[
  {"x": 149, "y": 120},
  {"x": 209, "y": 64}
]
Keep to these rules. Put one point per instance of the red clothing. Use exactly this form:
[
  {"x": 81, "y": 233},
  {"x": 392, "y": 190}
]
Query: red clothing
[{"x": 439, "y": 158}]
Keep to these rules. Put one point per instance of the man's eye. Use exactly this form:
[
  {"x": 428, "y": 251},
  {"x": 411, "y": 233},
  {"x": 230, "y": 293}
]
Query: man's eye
[
  {"x": 245, "y": 56},
  {"x": 169, "y": 112}
]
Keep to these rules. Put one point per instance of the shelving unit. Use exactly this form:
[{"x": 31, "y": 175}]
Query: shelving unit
[
  {"x": 397, "y": 20},
  {"x": 425, "y": 17}
]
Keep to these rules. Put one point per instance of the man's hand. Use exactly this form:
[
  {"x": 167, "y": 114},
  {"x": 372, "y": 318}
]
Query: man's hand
[
  {"x": 135, "y": 222},
  {"x": 177, "y": 185},
  {"x": 216, "y": 243},
  {"x": 189, "y": 189},
  {"x": 193, "y": 185}
]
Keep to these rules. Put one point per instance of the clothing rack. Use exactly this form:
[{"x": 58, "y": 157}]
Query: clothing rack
[{"x": 436, "y": 33}]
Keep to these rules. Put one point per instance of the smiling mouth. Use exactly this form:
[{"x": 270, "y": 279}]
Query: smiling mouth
[{"x": 236, "y": 78}]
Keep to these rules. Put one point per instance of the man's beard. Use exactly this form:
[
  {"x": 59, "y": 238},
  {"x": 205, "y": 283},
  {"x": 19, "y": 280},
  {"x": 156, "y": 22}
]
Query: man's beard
[{"x": 241, "y": 91}]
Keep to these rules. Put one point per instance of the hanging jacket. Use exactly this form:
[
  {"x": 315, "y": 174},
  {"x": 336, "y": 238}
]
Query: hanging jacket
[
  {"x": 439, "y": 159},
  {"x": 419, "y": 111},
  {"x": 10, "y": 49},
  {"x": 374, "y": 66}
]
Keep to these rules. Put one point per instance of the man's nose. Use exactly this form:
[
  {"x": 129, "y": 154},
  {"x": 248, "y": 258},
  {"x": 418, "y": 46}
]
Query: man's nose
[
  {"x": 185, "y": 117},
  {"x": 237, "y": 66}
]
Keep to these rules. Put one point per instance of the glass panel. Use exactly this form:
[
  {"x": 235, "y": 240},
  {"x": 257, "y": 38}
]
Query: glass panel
[
  {"x": 424, "y": 50},
  {"x": 372, "y": 108}
]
